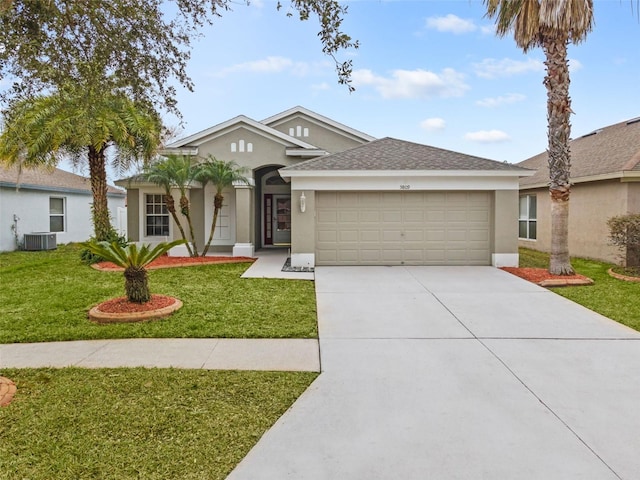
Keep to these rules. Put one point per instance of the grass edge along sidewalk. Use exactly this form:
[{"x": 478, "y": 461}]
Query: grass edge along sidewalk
[
  {"x": 608, "y": 296},
  {"x": 138, "y": 423},
  {"x": 45, "y": 296}
]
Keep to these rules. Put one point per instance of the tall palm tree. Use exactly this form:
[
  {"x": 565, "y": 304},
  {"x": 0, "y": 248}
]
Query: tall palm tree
[
  {"x": 176, "y": 171},
  {"x": 44, "y": 129},
  {"x": 552, "y": 25},
  {"x": 222, "y": 175},
  {"x": 161, "y": 174}
]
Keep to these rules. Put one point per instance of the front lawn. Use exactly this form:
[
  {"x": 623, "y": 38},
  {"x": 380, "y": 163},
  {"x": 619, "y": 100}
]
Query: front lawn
[
  {"x": 138, "y": 423},
  {"x": 613, "y": 298},
  {"x": 45, "y": 296}
]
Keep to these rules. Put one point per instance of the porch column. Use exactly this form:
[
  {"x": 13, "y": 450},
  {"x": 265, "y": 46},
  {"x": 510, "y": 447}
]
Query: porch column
[{"x": 245, "y": 215}]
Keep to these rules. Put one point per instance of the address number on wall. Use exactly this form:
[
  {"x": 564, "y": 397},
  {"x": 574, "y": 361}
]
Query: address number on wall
[{"x": 405, "y": 186}]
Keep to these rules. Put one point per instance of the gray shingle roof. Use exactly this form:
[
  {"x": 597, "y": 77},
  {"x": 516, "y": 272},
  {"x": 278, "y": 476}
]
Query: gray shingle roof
[
  {"x": 56, "y": 179},
  {"x": 610, "y": 149},
  {"x": 393, "y": 154}
]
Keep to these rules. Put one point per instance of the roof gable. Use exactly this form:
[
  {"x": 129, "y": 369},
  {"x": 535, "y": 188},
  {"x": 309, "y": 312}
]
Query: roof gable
[
  {"x": 326, "y": 122},
  {"x": 607, "y": 151},
  {"x": 240, "y": 121},
  {"x": 393, "y": 154},
  {"x": 45, "y": 179}
]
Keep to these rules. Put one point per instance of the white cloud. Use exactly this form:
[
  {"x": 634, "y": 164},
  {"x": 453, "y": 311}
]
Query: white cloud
[
  {"x": 487, "y": 136},
  {"x": 266, "y": 65},
  {"x": 433, "y": 124},
  {"x": 320, "y": 86},
  {"x": 413, "y": 83},
  {"x": 494, "y": 68},
  {"x": 492, "y": 102},
  {"x": 451, "y": 23},
  {"x": 574, "y": 65}
]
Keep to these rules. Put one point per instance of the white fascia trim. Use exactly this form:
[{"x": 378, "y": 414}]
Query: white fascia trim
[
  {"x": 297, "y": 152},
  {"x": 187, "y": 152},
  {"x": 239, "y": 121},
  {"x": 408, "y": 183},
  {"x": 624, "y": 176},
  {"x": 505, "y": 259},
  {"x": 401, "y": 173},
  {"x": 340, "y": 128}
]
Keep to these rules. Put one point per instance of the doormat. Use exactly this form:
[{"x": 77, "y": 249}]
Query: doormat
[{"x": 288, "y": 268}]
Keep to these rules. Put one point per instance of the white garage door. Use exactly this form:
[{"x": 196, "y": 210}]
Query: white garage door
[{"x": 403, "y": 228}]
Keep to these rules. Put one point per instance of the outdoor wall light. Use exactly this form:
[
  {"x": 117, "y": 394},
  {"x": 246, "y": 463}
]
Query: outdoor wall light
[{"x": 303, "y": 202}]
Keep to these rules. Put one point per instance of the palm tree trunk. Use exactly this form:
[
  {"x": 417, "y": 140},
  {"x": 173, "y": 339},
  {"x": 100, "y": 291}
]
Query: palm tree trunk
[
  {"x": 136, "y": 284},
  {"x": 171, "y": 207},
  {"x": 98, "y": 175},
  {"x": 184, "y": 209},
  {"x": 559, "y": 132},
  {"x": 217, "y": 205}
]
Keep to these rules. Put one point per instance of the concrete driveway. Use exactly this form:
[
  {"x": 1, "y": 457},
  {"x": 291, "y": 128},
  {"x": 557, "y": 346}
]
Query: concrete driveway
[{"x": 458, "y": 373}]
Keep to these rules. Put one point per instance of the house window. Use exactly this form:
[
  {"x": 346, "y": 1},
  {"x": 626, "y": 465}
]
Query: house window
[
  {"x": 157, "y": 216},
  {"x": 56, "y": 214},
  {"x": 528, "y": 216}
]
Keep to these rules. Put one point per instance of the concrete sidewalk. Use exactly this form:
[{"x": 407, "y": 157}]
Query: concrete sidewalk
[
  {"x": 457, "y": 373},
  {"x": 207, "y": 354}
]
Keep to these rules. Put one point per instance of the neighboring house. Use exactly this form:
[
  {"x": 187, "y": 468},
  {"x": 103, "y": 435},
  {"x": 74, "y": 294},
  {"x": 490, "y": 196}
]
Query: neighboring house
[
  {"x": 336, "y": 196},
  {"x": 42, "y": 200},
  {"x": 605, "y": 173}
]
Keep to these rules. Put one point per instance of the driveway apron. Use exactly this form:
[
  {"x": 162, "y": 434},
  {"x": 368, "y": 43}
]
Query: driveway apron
[{"x": 457, "y": 373}]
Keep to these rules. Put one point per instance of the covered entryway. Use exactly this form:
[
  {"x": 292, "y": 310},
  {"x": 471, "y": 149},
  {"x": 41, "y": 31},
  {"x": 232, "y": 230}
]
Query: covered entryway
[{"x": 403, "y": 228}]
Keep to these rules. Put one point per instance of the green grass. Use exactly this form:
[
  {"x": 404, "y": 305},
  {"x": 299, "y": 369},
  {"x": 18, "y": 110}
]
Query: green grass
[
  {"x": 45, "y": 296},
  {"x": 138, "y": 423},
  {"x": 613, "y": 298}
]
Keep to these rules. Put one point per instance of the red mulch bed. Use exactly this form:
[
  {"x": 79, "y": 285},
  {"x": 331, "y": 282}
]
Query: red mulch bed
[
  {"x": 168, "y": 262},
  {"x": 537, "y": 275},
  {"x": 122, "y": 305}
]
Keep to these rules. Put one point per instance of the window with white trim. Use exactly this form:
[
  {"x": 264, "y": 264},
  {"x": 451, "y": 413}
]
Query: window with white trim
[
  {"x": 57, "y": 210},
  {"x": 528, "y": 228},
  {"x": 156, "y": 216}
]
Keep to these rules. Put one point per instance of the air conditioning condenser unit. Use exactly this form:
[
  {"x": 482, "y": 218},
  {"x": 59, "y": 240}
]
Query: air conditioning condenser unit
[{"x": 40, "y": 241}]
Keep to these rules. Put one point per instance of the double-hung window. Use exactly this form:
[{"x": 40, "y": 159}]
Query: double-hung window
[
  {"x": 156, "y": 216},
  {"x": 57, "y": 212},
  {"x": 527, "y": 221}
]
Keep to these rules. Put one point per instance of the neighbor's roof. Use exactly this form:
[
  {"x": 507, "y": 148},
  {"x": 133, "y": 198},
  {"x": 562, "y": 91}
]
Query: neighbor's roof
[
  {"x": 393, "y": 154},
  {"x": 608, "y": 152},
  {"x": 44, "y": 179}
]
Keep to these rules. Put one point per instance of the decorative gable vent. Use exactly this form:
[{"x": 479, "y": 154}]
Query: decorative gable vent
[
  {"x": 299, "y": 131},
  {"x": 242, "y": 147}
]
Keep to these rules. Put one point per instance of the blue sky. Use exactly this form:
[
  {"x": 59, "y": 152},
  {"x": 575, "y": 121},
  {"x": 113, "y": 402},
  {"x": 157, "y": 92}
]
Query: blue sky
[{"x": 431, "y": 72}]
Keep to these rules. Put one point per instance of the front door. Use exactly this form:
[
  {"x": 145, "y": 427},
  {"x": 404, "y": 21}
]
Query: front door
[{"x": 281, "y": 220}]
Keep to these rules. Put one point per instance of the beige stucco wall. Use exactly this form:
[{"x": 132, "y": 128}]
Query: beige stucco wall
[
  {"x": 319, "y": 135},
  {"x": 133, "y": 217},
  {"x": 505, "y": 222},
  {"x": 303, "y": 225},
  {"x": 591, "y": 205}
]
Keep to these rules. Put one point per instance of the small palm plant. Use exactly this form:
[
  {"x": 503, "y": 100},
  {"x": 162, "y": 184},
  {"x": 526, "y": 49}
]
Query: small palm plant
[{"x": 134, "y": 261}]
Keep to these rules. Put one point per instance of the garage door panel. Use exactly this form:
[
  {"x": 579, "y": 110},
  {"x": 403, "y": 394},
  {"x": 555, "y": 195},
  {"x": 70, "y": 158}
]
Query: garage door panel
[{"x": 395, "y": 228}]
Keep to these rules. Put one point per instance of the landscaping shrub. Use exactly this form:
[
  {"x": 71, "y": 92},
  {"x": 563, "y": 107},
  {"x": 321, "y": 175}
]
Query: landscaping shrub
[
  {"x": 88, "y": 257},
  {"x": 624, "y": 232}
]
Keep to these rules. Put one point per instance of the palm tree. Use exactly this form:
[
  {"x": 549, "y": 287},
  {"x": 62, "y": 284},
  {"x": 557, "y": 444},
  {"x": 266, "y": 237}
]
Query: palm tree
[
  {"x": 222, "y": 175},
  {"x": 44, "y": 129},
  {"x": 176, "y": 171},
  {"x": 552, "y": 25},
  {"x": 134, "y": 261},
  {"x": 161, "y": 174}
]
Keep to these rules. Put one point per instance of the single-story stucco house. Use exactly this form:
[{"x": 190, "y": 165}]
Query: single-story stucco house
[
  {"x": 336, "y": 196},
  {"x": 50, "y": 201},
  {"x": 605, "y": 173}
]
